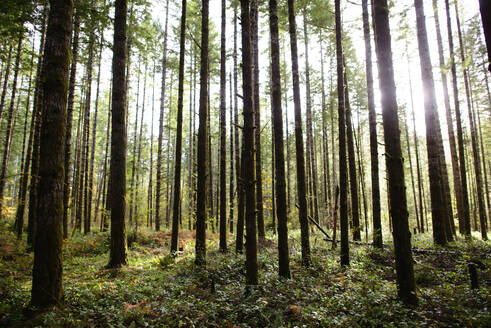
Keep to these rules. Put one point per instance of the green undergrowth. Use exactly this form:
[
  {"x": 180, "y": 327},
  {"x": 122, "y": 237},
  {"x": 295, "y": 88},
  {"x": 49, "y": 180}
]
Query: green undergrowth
[{"x": 156, "y": 290}]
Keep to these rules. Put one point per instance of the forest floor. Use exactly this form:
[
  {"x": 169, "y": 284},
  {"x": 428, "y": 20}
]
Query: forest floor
[{"x": 155, "y": 290}]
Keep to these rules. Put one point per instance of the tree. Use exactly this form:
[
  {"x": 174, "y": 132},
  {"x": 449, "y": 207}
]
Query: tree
[
  {"x": 257, "y": 119},
  {"x": 377, "y": 224},
  {"x": 47, "y": 281},
  {"x": 485, "y": 8},
  {"x": 223, "y": 132},
  {"x": 343, "y": 176},
  {"x": 117, "y": 189},
  {"x": 177, "y": 159},
  {"x": 202, "y": 139},
  {"x": 248, "y": 173},
  {"x": 281, "y": 209},
  {"x": 395, "y": 170},
  {"x": 161, "y": 125},
  {"x": 301, "y": 187},
  {"x": 433, "y": 139}
]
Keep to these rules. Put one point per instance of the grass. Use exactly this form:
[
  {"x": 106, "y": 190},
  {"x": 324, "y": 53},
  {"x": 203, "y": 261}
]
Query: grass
[{"x": 155, "y": 290}]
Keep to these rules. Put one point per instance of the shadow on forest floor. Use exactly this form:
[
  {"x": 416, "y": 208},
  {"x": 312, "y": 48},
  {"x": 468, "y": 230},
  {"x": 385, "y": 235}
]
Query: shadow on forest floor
[{"x": 157, "y": 290}]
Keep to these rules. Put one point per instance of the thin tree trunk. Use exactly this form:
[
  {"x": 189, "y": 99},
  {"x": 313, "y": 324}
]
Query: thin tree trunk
[
  {"x": 10, "y": 122},
  {"x": 281, "y": 208},
  {"x": 232, "y": 172},
  {"x": 161, "y": 125},
  {"x": 177, "y": 160},
  {"x": 135, "y": 142},
  {"x": 372, "y": 121},
  {"x": 223, "y": 132},
  {"x": 343, "y": 176},
  {"x": 475, "y": 146},
  {"x": 301, "y": 187},
  {"x": 460, "y": 140},
  {"x": 6, "y": 80}
]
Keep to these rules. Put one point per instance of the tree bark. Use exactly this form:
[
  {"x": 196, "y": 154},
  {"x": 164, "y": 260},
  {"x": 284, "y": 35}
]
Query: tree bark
[
  {"x": 395, "y": 170},
  {"x": 202, "y": 139},
  {"x": 248, "y": 177},
  {"x": 281, "y": 209},
  {"x": 117, "y": 190},
  {"x": 180, "y": 103},
  {"x": 161, "y": 125},
  {"x": 301, "y": 187},
  {"x": 343, "y": 176},
  {"x": 372, "y": 119},
  {"x": 47, "y": 285}
]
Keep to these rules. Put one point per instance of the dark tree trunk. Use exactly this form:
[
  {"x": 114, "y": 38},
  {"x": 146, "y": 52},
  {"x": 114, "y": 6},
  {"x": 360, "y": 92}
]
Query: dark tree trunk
[
  {"x": 24, "y": 173},
  {"x": 448, "y": 111},
  {"x": 355, "y": 210},
  {"x": 257, "y": 120},
  {"x": 223, "y": 138},
  {"x": 68, "y": 141},
  {"x": 460, "y": 139},
  {"x": 439, "y": 212},
  {"x": 311, "y": 160},
  {"x": 161, "y": 125},
  {"x": 202, "y": 139},
  {"x": 372, "y": 119},
  {"x": 94, "y": 131},
  {"x": 395, "y": 169},
  {"x": 474, "y": 141},
  {"x": 133, "y": 164},
  {"x": 117, "y": 189},
  {"x": 485, "y": 8},
  {"x": 281, "y": 209},
  {"x": 106, "y": 181},
  {"x": 248, "y": 176},
  {"x": 343, "y": 174},
  {"x": 47, "y": 286},
  {"x": 232, "y": 171},
  {"x": 180, "y": 103},
  {"x": 301, "y": 187}
]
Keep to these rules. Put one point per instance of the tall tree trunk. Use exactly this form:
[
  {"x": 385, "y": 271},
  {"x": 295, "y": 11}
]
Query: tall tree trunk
[
  {"x": 88, "y": 100},
  {"x": 94, "y": 130},
  {"x": 310, "y": 138},
  {"x": 139, "y": 151},
  {"x": 448, "y": 111},
  {"x": 372, "y": 121},
  {"x": 355, "y": 211},
  {"x": 69, "y": 123},
  {"x": 239, "y": 240},
  {"x": 231, "y": 151},
  {"x": 465, "y": 198},
  {"x": 24, "y": 173},
  {"x": 158, "y": 177},
  {"x": 475, "y": 147},
  {"x": 10, "y": 121},
  {"x": 248, "y": 177},
  {"x": 301, "y": 187},
  {"x": 150, "y": 173},
  {"x": 257, "y": 119},
  {"x": 395, "y": 169},
  {"x": 439, "y": 212},
  {"x": 281, "y": 209},
  {"x": 202, "y": 139},
  {"x": 105, "y": 191},
  {"x": 180, "y": 103},
  {"x": 117, "y": 189},
  {"x": 343, "y": 176},
  {"x": 135, "y": 143},
  {"x": 223, "y": 132},
  {"x": 47, "y": 286}
]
